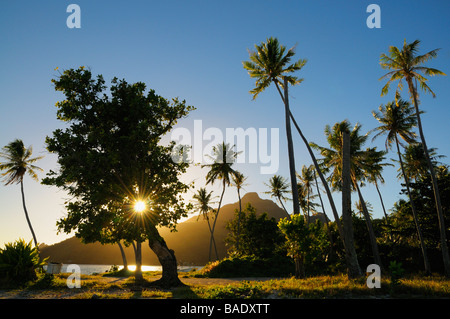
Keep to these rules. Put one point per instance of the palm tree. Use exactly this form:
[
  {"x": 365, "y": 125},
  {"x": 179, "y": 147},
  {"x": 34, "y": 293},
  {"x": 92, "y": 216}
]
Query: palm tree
[
  {"x": 278, "y": 188},
  {"x": 415, "y": 163},
  {"x": 398, "y": 119},
  {"x": 408, "y": 65},
  {"x": 238, "y": 182},
  {"x": 18, "y": 162},
  {"x": 359, "y": 165},
  {"x": 202, "y": 204},
  {"x": 306, "y": 179},
  {"x": 221, "y": 169},
  {"x": 269, "y": 64}
]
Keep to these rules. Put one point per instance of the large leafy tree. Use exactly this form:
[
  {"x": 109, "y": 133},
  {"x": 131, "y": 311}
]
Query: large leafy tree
[
  {"x": 397, "y": 119},
  {"x": 406, "y": 64},
  {"x": 17, "y": 162},
  {"x": 110, "y": 157}
]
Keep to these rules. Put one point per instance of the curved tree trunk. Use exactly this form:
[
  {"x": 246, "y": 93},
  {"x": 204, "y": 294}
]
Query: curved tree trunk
[
  {"x": 167, "y": 260},
  {"x": 239, "y": 221},
  {"x": 27, "y": 217},
  {"x": 124, "y": 257},
  {"x": 437, "y": 197},
  {"x": 413, "y": 208},
  {"x": 214, "y": 225}
]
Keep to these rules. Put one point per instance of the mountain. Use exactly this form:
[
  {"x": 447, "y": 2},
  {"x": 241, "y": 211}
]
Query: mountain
[{"x": 190, "y": 242}]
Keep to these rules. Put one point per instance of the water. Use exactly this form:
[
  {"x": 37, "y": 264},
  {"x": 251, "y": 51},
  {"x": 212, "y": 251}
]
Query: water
[{"x": 89, "y": 269}]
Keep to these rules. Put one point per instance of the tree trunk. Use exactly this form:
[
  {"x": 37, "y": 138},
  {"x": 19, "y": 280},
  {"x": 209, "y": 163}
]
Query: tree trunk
[
  {"x": 299, "y": 267},
  {"x": 327, "y": 220},
  {"x": 138, "y": 256},
  {"x": 26, "y": 215},
  {"x": 372, "y": 238},
  {"x": 124, "y": 257},
  {"x": 239, "y": 221},
  {"x": 413, "y": 208},
  {"x": 295, "y": 201},
  {"x": 323, "y": 180},
  {"x": 437, "y": 198},
  {"x": 214, "y": 225},
  {"x": 167, "y": 260},
  {"x": 354, "y": 271}
]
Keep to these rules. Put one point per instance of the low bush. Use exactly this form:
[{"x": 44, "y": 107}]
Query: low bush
[{"x": 19, "y": 262}]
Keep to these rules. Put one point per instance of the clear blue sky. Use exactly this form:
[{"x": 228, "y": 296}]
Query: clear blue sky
[{"x": 194, "y": 50}]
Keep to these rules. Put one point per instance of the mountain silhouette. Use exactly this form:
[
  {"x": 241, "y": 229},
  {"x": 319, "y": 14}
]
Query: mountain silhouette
[{"x": 190, "y": 242}]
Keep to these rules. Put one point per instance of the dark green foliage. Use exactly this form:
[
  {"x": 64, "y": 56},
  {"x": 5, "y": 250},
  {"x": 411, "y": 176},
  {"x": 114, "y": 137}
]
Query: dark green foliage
[
  {"x": 259, "y": 235},
  {"x": 19, "y": 262}
]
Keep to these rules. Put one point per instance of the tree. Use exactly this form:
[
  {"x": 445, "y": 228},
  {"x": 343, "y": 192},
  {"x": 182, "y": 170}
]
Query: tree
[
  {"x": 269, "y": 64},
  {"x": 306, "y": 179},
  {"x": 278, "y": 188},
  {"x": 223, "y": 158},
  {"x": 258, "y": 235},
  {"x": 408, "y": 65},
  {"x": 110, "y": 158},
  {"x": 18, "y": 161},
  {"x": 360, "y": 163},
  {"x": 397, "y": 118},
  {"x": 238, "y": 182},
  {"x": 415, "y": 163},
  {"x": 203, "y": 206},
  {"x": 303, "y": 241}
]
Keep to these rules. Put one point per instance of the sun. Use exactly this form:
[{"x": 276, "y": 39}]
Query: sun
[{"x": 139, "y": 206}]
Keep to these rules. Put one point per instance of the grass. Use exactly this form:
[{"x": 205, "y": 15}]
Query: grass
[{"x": 337, "y": 286}]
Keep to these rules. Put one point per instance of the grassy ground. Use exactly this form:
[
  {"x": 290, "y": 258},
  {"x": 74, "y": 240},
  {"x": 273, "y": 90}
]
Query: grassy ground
[{"x": 124, "y": 287}]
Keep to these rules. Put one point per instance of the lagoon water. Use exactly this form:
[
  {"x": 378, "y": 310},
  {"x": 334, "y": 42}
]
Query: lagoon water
[{"x": 89, "y": 269}]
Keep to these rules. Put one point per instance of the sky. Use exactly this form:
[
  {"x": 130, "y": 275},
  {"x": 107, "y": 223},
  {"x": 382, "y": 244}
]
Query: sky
[{"x": 194, "y": 50}]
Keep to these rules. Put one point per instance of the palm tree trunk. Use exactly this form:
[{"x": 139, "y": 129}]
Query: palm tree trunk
[
  {"x": 211, "y": 234},
  {"x": 413, "y": 208},
  {"x": 296, "y": 205},
  {"x": 124, "y": 257},
  {"x": 437, "y": 198},
  {"x": 214, "y": 224},
  {"x": 372, "y": 238},
  {"x": 354, "y": 271},
  {"x": 322, "y": 179},
  {"x": 281, "y": 202},
  {"x": 327, "y": 220},
  {"x": 239, "y": 221},
  {"x": 26, "y": 215}
]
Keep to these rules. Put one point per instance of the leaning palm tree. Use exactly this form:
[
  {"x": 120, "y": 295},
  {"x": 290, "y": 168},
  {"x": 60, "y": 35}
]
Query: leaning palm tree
[
  {"x": 268, "y": 64},
  {"x": 18, "y": 162},
  {"x": 406, "y": 64},
  {"x": 397, "y": 119},
  {"x": 332, "y": 162},
  {"x": 223, "y": 158},
  {"x": 278, "y": 189},
  {"x": 238, "y": 182},
  {"x": 203, "y": 201}
]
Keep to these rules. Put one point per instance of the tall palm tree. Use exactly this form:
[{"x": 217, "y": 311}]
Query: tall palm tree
[
  {"x": 221, "y": 169},
  {"x": 238, "y": 182},
  {"x": 278, "y": 189},
  {"x": 268, "y": 64},
  {"x": 397, "y": 118},
  {"x": 18, "y": 162},
  {"x": 306, "y": 179},
  {"x": 406, "y": 64},
  {"x": 415, "y": 163},
  {"x": 203, "y": 201},
  {"x": 359, "y": 164}
]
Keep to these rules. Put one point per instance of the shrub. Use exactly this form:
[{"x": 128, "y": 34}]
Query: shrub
[{"x": 19, "y": 261}]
